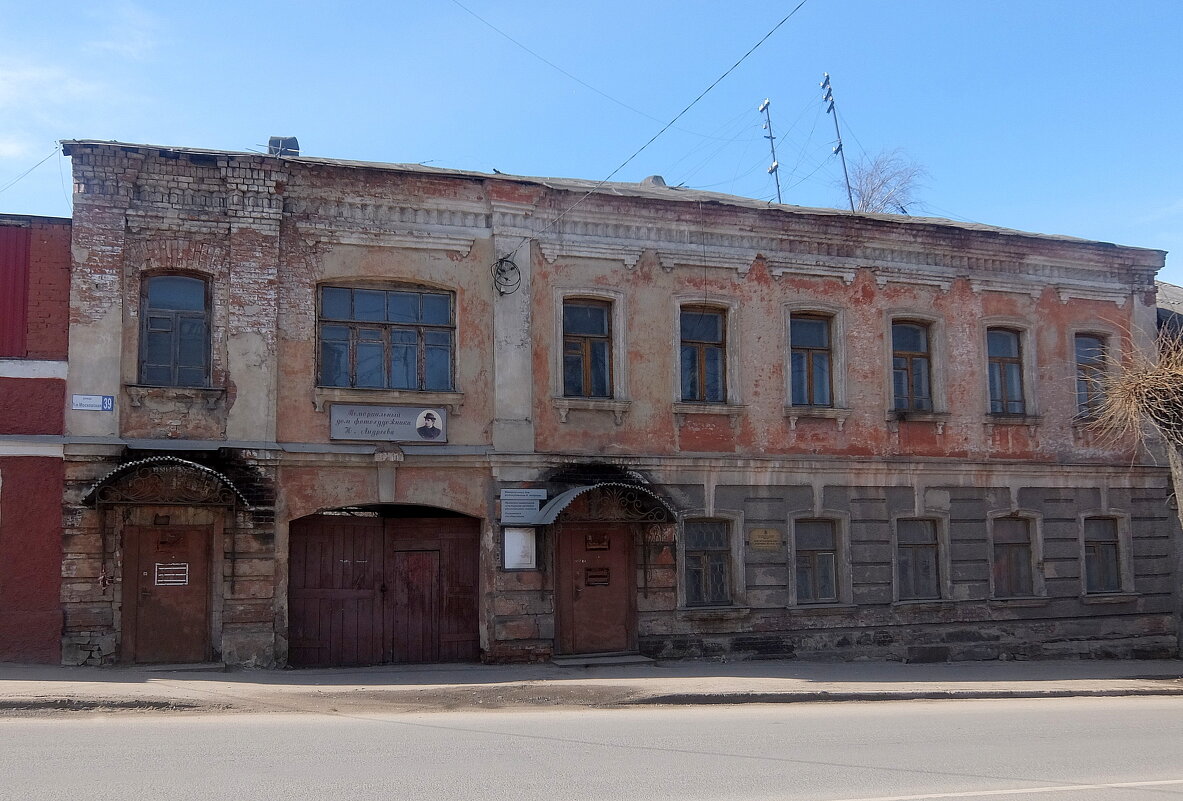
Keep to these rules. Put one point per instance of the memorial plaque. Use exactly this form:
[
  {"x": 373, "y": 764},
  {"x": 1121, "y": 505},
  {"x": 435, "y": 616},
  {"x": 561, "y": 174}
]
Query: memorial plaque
[
  {"x": 764, "y": 539},
  {"x": 387, "y": 423},
  {"x": 521, "y": 505}
]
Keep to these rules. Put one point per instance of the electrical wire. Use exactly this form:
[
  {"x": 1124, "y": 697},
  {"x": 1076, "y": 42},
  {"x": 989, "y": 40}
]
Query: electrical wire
[
  {"x": 14, "y": 181},
  {"x": 665, "y": 128}
]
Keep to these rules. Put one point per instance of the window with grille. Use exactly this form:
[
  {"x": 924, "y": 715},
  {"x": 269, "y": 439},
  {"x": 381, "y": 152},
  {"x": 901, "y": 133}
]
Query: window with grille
[
  {"x": 911, "y": 366},
  {"x": 1091, "y": 359},
  {"x": 1012, "y": 558},
  {"x": 587, "y": 349},
  {"x": 703, "y": 354},
  {"x": 707, "y": 562},
  {"x": 810, "y": 360},
  {"x": 1102, "y": 560},
  {"x": 1005, "y": 364},
  {"x": 816, "y": 554},
  {"x": 917, "y": 571},
  {"x": 386, "y": 339},
  {"x": 175, "y": 332}
]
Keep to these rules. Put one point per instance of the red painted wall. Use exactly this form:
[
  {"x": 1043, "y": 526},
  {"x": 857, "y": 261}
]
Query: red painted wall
[
  {"x": 30, "y": 559},
  {"x": 34, "y": 287},
  {"x": 32, "y": 405}
]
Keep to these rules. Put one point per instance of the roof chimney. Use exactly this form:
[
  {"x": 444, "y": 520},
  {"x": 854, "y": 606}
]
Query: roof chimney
[
  {"x": 653, "y": 180},
  {"x": 283, "y": 146}
]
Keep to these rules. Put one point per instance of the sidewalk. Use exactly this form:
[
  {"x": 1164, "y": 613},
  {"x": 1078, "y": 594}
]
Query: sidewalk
[{"x": 25, "y": 689}]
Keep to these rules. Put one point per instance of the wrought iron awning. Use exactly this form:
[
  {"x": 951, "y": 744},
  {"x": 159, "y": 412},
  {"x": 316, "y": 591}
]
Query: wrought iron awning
[
  {"x": 548, "y": 513},
  {"x": 165, "y": 480}
]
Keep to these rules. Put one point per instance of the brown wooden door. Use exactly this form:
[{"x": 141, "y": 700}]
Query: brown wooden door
[
  {"x": 167, "y": 590},
  {"x": 596, "y": 588},
  {"x": 335, "y": 593},
  {"x": 366, "y": 591},
  {"x": 414, "y": 606}
]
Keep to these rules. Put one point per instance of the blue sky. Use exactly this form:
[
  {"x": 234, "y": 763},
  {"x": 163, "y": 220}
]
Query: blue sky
[{"x": 1057, "y": 116}]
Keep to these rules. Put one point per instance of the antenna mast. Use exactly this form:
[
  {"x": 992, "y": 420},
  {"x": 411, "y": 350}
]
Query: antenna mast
[
  {"x": 772, "y": 144},
  {"x": 828, "y": 96}
]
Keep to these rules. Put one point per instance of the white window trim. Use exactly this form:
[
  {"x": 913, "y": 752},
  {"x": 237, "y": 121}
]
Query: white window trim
[
  {"x": 844, "y": 572},
  {"x": 620, "y": 377},
  {"x": 936, "y": 357},
  {"x": 837, "y": 315},
  {"x": 739, "y": 588},
  {"x": 1035, "y": 527},
  {"x": 1029, "y": 366},
  {"x": 730, "y": 307},
  {"x": 944, "y": 560},
  {"x": 1125, "y": 551}
]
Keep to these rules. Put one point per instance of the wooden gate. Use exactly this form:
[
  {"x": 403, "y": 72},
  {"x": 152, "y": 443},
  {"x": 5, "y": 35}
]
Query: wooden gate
[
  {"x": 167, "y": 591},
  {"x": 368, "y": 590}
]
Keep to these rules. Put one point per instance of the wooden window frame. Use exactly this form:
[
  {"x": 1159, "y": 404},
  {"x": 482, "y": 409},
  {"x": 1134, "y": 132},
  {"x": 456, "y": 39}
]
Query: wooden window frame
[
  {"x": 1002, "y": 362},
  {"x": 909, "y": 356},
  {"x": 1119, "y": 549},
  {"x": 810, "y": 556},
  {"x": 420, "y": 330},
  {"x": 703, "y": 554},
  {"x": 701, "y": 347},
  {"x": 1093, "y": 374},
  {"x": 584, "y": 343},
  {"x": 176, "y": 316},
  {"x": 809, "y": 351},
  {"x": 934, "y": 548}
]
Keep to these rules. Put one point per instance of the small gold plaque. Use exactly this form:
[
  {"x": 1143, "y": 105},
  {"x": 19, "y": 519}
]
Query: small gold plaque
[{"x": 764, "y": 539}]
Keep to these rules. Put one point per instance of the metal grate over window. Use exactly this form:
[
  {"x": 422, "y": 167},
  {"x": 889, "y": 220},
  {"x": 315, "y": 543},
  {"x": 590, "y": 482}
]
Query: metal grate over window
[{"x": 707, "y": 568}]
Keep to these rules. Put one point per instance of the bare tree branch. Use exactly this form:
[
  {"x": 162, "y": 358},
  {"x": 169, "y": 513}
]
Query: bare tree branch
[{"x": 885, "y": 182}]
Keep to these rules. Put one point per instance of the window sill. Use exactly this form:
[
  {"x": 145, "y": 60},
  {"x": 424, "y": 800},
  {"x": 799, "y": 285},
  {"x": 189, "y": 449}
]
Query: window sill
[
  {"x": 210, "y": 397},
  {"x": 822, "y": 609},
  {"x": 1109, "y": 598},
  {"x": 732, "y": 410},
  {"x": 925, "y": 604},
  {"x": 897, "y": 416},
  {"x": 617, "y": 408},
  {"x": 1019, "y": 603},
  {"x": 451, "y": 400},
  {"x": 795, "y": 413},
  {"x": 713, "y": 613},
  {"x": 1031, "y": 421}
]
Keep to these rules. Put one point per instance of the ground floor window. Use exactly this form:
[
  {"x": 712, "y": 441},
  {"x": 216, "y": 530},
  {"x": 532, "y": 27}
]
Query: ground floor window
[
  {"x": 816, "y": 558},
  {"x": 706, "y": 562}
]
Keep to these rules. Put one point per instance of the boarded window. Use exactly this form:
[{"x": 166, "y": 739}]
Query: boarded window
[
  {"x": 14, "y": 291},
  {"x": 816, "y": 555},
  {"x": 1102, "y": 558},
  {"x": 916, "y": 560},
  {"x": 1012, "y": 558},
  {"x": 386, "y": 339},
  {"x": 175, "y": 332},
  {"x": 707, "y": 562}
]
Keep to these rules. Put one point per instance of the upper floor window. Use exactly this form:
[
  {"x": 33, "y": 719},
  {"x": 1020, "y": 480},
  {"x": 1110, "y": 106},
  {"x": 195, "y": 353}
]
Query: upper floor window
[
  {"x": 703, "y": 354},
  {"x": 1012, "y": 557},
  {"x": 816, "y": 561},
  {"x": 175, "y": 332},
  {"x": 706, "y": 571},
  {"x": 1005, "y": 364},
  {"x": 911, "y": 365},
  {"x": 1091, "y": 358},
  {"x": 587, "y": 349},
  {"x": 811, "y": 360},
  {"x": 386, "y": 338},
  {"x": 1102, "y": 563},
  {"x": 917, "y": 573}
]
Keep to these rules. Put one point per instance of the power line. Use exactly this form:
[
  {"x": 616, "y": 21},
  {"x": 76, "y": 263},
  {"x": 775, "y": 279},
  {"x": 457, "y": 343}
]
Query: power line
[
  {"x": 665, "y": 128},
  {"x": 14, "y": 181}
]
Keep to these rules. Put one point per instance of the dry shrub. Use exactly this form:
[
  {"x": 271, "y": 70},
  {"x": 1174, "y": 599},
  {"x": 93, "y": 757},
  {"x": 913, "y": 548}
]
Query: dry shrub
[{"x": 1146, "y": 390}]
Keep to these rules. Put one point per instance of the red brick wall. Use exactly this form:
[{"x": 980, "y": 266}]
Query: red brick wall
[
  {"x": 32, "y": 405},
  {"x": 44, "y": 282},
  {"x": 30, "y": 559}
]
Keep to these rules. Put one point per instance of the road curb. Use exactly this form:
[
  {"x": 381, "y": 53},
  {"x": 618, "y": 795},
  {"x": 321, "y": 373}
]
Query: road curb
[{"x": 919, "y": 695}]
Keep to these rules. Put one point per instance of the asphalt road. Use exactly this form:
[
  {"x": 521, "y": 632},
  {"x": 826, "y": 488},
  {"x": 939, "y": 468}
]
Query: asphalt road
[{"x": 1094, "y": 749}]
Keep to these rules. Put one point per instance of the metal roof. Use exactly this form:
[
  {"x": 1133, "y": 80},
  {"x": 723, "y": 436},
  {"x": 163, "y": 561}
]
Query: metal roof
[
  {"x": 127, "y": 467},
  {"x": 547, "y": 514}
]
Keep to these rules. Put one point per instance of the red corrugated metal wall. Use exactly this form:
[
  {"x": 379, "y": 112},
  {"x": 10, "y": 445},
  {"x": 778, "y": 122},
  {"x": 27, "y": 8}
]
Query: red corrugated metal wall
[{"x": 14, "y": 290}]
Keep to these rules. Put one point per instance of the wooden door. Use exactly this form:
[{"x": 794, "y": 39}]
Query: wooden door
[
  {"x": 167, "y": 594},
  {"x": 414, "y": 611},
  {"x": 335, "y": 587},
  {"x": 596, "y": 589}
]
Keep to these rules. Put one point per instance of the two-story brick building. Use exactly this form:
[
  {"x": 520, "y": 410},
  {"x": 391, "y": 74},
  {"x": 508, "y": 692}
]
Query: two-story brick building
[
  {"x": 34, "y": 326},
  {"x": 378, "y": 413}
]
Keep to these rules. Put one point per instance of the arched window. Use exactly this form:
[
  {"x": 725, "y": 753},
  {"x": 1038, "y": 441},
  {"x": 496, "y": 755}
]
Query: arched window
[{"x": 175, "y": 332}]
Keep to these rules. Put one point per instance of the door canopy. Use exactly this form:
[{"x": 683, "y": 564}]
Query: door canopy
[
  {"x": 608, "y": 500},
  {"x": 166, "y": 480}
]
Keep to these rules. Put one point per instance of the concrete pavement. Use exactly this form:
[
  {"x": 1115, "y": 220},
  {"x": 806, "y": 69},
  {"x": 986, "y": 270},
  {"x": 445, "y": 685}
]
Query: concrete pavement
[{"x": 25, "y": 689}]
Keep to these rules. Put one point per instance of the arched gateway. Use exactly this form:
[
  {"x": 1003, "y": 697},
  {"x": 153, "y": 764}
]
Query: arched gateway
[{"x": 383, "y": 584}]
